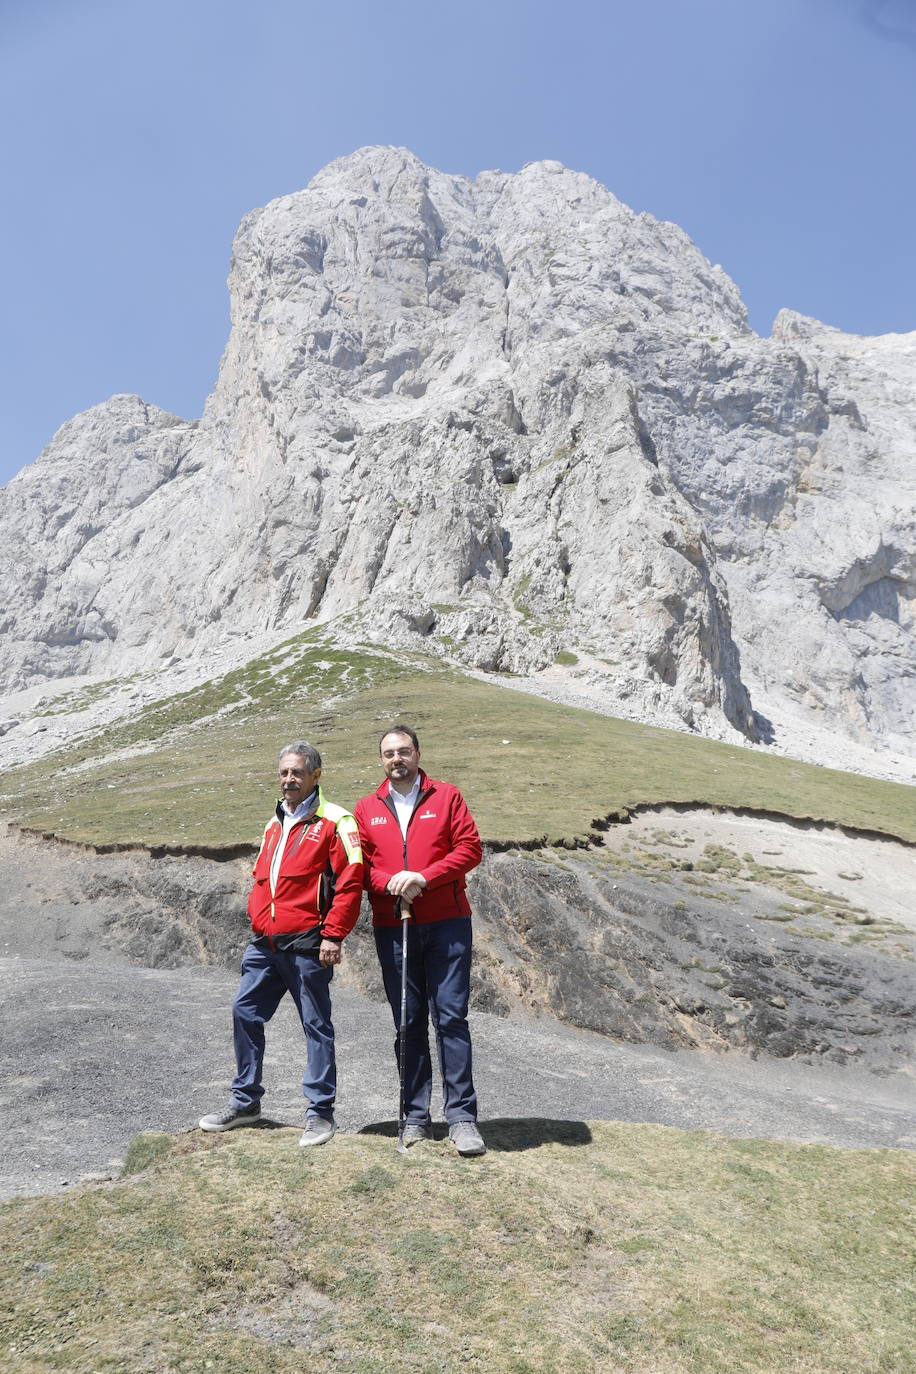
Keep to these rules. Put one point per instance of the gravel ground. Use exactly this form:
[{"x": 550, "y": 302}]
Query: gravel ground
[{"x": 93, "y": 1052}]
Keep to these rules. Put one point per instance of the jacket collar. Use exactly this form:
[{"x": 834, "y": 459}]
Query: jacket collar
[
  {"x": 425, "y": 783},
  {"x": 318, "y": 809}
]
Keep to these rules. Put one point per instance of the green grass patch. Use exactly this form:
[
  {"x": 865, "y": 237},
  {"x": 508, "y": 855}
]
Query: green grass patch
[
  {"x": 144, "y": 1150},
  {"x": 567, "y": 1248},
  {"x": 198, "y": 768}
]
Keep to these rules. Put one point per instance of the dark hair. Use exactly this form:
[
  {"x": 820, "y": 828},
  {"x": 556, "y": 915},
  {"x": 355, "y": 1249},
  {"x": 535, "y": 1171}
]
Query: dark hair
[{"x": 399, "y": 730}]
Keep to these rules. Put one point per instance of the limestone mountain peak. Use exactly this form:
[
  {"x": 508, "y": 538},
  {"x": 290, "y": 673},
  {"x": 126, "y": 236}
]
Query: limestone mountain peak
[{"x": 510, "y": 417}]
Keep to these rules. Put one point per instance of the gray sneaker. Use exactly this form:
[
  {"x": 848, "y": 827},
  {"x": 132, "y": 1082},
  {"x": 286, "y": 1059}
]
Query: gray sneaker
[
  {"x": 231, "y": 1117},
  {"x": 466, "y": 1138},
  {"x": 414, "y": 1131},
  {"x": 318, "y": 1130}
]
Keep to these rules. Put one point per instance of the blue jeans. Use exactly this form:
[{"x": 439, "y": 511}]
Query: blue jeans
[
  {"x": 438, "y": 986},
  {"x": 267, "y": 975}
]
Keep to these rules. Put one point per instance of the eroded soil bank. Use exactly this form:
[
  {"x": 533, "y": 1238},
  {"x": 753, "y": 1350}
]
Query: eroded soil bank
[
  {"x": 680, "y": 930},
  {"x": 712, "y": 930},
  {"x": 117, "y": 972}
]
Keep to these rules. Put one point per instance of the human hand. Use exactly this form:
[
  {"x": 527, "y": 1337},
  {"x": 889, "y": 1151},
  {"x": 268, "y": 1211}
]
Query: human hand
[
  {"x": 406, "y": 884},
  {"x": 329, "y": 953}
]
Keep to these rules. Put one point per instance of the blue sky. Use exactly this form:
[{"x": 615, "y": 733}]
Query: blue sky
[{"x": 138, "y": 132}]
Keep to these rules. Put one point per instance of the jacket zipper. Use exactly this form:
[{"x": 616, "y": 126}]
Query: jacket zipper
[
  {"x": 390, "y": 806},
  {"x": 303, "y": 825}
]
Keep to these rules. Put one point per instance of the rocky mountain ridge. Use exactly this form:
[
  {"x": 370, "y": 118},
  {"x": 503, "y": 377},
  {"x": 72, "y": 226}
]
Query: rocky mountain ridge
[{"x": 509, "y": 420}]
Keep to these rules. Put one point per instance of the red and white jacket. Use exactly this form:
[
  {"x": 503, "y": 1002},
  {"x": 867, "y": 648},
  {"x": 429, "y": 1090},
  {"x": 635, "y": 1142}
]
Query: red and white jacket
[
  {"x": 319, "y": 884},
  {"x": 442, "y": 843}
]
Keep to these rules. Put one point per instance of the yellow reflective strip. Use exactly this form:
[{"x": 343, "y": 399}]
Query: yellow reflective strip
[{"x": 350, "y": 838}]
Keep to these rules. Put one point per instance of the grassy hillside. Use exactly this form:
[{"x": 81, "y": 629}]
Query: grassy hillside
[
  {"x": 568, "y": 1248},
  {"x": 198, "y": 768}
]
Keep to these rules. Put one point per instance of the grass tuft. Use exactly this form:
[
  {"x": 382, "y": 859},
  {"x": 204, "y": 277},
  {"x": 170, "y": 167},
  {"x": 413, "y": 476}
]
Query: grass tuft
[{"x": 144, "y": 1150}]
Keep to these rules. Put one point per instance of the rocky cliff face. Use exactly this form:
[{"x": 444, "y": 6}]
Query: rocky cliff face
[{"x": 508, "y": 417}]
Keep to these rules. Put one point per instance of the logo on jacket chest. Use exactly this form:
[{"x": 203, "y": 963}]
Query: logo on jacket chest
[
  {"x": 427, "y": 816},
  {"x": 379, "y": 820},
  {"x": 308, "y": 832}
]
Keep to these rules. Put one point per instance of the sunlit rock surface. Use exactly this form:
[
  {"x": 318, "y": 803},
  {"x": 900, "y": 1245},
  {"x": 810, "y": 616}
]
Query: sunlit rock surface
[{"x": 507, "y": 418}]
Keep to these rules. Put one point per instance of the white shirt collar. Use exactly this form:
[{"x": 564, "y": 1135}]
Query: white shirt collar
[
  {"x": 404, "y": 805},
  {"x": 305, "y": 808},
  {"x": 405, "y": 798}
]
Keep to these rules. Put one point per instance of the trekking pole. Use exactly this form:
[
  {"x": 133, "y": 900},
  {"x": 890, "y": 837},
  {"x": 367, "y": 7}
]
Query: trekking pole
[{"x": 402, "y": 909}]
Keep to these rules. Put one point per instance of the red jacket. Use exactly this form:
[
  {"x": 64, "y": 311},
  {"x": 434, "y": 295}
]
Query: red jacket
[
  {"x": 322, "y": 857},
  {"x": 442, "y": 843}
]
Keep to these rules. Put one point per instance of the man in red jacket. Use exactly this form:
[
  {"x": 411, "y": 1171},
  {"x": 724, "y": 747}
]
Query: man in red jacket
[
  {"x": 308, "y": 883},
  {"x": 418, "y": 841}
]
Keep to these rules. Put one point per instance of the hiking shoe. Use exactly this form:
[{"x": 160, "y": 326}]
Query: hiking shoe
[
  {"x": 414, "y": 1131},
  {"x": 318, "y": 1131},
  {"x": 231, "y": 1117},
  {"x": 466, "y": 1138}
]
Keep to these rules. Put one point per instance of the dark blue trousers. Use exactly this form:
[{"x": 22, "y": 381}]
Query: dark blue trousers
[
  {"x": 438, "y": 987},
  {"x": 267, "y": 975}
]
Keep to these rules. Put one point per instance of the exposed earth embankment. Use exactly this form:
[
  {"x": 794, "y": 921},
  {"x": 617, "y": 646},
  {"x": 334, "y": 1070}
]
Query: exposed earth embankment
[
  {"x": 728, "y": 992},
  {"x": 660, "y": 935}
]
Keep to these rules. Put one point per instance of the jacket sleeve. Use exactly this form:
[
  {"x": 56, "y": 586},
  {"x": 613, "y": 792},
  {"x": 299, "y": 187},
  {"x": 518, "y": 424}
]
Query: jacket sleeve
[
  {"x": 465, "y": 850},
  {"x": 375, "y": 875},
  {"x": 347, "y": 862},
  {"x": 264, "y": 844}
]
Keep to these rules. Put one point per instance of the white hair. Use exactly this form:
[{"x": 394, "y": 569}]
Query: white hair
[{"x": 305, "y": 751}]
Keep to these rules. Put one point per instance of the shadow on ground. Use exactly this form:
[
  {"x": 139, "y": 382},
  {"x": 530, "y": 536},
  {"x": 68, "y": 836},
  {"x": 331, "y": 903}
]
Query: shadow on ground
[{"x": 509, "y": 1133}]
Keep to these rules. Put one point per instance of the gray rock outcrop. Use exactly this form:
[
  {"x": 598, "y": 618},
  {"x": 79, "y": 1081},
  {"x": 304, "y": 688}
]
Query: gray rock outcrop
[{"x": 508, "y": 418}]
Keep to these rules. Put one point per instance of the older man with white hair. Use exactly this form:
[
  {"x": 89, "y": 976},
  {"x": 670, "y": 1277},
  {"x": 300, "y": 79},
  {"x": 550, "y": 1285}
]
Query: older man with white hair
[{"x": 308, "y": 881}]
